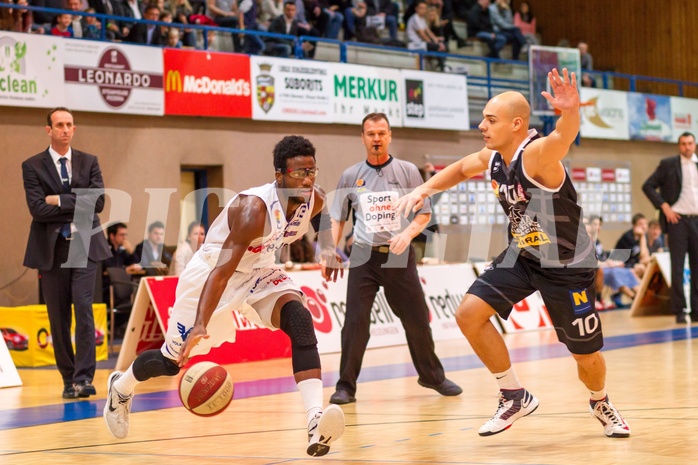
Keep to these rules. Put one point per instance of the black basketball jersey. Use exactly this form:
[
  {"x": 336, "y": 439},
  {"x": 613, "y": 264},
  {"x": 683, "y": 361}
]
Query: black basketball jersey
[{"x": 544, "y": 224}]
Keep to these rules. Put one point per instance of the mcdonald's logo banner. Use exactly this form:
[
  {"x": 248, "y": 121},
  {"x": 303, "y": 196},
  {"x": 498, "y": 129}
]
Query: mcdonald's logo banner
[{"x": 201, "y": 83}]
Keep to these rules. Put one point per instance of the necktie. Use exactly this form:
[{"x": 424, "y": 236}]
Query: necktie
[{"x": 65, "y": 229}]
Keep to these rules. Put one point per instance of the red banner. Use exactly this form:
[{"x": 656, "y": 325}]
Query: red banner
[{"x": 202, "y": 83}]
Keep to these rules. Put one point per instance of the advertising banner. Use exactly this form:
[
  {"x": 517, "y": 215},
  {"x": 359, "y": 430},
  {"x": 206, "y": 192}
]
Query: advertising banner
[
  {"x": 202, "y": 83},
  {"x": 650, "y": 117},
  {"x": 291, "y": 90},
  {"x": 27, "y": 333},
  {"x": 31, "y": 70},
  {"x": 359, "y": 90},
  {"x": 604, "y": 114},
  {"x": 113, "y": 78},
  {"x": 684, "y": 116},
  {"x": 435, "y": 101}
]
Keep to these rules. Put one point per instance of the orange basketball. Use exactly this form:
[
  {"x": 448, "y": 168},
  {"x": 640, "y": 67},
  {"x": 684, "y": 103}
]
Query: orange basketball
[{"x": 206, "y": 389}]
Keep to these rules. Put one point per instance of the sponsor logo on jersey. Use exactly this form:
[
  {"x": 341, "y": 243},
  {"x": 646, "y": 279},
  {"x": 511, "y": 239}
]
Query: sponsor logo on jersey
[
  {"x": 360, "y": 183},
  {"x": 532, "y": 239},
  {"x": 580, "y": 301}
]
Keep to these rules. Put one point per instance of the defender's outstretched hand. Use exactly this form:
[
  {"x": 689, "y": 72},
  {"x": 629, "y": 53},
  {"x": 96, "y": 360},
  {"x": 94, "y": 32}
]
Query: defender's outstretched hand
[
  {"x": 408, "y": 203},
  {"x": 565, "y": 94}
]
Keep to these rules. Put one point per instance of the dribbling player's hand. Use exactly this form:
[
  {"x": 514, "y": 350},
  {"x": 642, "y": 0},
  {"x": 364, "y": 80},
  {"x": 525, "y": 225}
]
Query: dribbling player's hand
[
  {"x": 565, "y": 94},
  {"x": 408, "y": 203},
  {"x": 196, "y": 334},
  {"x": 331, "y": 265}
]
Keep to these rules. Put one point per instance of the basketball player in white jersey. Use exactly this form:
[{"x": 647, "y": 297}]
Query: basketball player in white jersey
[
  {"x": 234, "y": 270},
  {"x": 549, "y": 249}
]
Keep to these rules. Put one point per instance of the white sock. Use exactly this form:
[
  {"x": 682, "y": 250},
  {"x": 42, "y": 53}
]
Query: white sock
[
  {"x": 598, "y": 395},
  {"x": 126, "y": 383},
  {"x": 508, "y": 380},
  {"x": 311, "y": 392}
]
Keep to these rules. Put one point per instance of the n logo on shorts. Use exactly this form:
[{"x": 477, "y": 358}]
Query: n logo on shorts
[{"x": 580, "y": 302}]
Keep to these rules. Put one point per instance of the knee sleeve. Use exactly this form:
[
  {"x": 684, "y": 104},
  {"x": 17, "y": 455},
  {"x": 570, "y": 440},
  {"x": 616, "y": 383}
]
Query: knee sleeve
[
  {"x": 151, "y": 364},
  {"x": 297, "y": 323}
]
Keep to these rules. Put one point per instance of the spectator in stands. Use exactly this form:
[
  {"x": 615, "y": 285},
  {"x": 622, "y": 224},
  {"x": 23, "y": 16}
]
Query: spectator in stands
[
  {"x": 172, "y": 40},
  {"x": 122, "y": 252},
  {"x": 165, "y": 17},
  {"x": 225, "y": 14},
  {"x": 288, "y": 24},
  {"x": 115, "y": 31},
  {"x": 585, "y": 57},
  {"x": 76, "y": 24},
  {"x": 382, "y": 13},
  {"x": 150, "y": 253},
  {"x": 446, "y": 15},
  {"x": 253, "y": 44},
  {"x": 420, "y": 36},
  {"x": 62, "y": 27},
  {"x": 354, "y": 11},
  {"x": 42, "y": 19},
  {"x": 150, "y": 34},
  {"x": 526, "y": 22},
  {"x": 610, "y": 274},
  {"x": 503, "y": 23},
  {"x": 480, "y": 27},
  {"x": 635, "y": 240},
  {"x": 588, "y": 80},
  {"x": 187, "y": 248},
  {"x": 270, "y": 10},
  {"x": 332, "y": 19},
  {"x": 16, "y": 19},
  {"x": 181, "y": 10},
  {"x": 655, "y": 239},
  {"x": 91, "y": 27}
]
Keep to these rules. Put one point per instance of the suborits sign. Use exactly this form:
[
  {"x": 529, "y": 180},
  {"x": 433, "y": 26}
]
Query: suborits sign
[{"x": 203, "y": 83}]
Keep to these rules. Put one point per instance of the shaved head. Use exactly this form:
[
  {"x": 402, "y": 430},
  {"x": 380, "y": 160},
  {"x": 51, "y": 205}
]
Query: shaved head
[{"x": 510, "y": 105}]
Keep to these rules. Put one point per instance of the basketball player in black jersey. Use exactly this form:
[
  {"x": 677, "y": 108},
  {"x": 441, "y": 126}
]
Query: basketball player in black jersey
[{"x": 549, "y": 250}]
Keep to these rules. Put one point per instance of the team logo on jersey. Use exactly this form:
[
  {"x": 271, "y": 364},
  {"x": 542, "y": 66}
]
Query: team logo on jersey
[
  {"x": 496, "y": 166},
  {"x": 183, "y": 331},
  {"x": 495, "y": 188},
  {"x": 580, "y": 301},
  {"x": 360, "y": 183},
  {"x": 531, "y": 239}
]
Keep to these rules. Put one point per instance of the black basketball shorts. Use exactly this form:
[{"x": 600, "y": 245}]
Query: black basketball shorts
[{"x": 568, "y": 294}]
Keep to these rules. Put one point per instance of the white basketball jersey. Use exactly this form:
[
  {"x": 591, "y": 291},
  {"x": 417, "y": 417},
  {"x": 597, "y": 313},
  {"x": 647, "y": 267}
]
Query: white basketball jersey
[{"x": 261, "y": 252}]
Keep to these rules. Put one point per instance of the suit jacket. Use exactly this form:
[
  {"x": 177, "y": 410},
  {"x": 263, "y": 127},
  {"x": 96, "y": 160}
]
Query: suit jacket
[
  {"x": 41, "y": 179},
  {"x": 667, "y": 178},
  {"x": 278, "y": 26},
  {"x": 139, "y": 35}
]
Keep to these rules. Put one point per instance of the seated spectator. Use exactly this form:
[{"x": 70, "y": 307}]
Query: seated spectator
[
  {"x": 332, "y": 20},
  {"x": 253, "y": 44},
  {"x": 62, "y": 27},
  {"x": 270, "y": 9},
  {"x": 43, "y": 19},
  {"x": 91, "y": 27},
  {"x": 526, "y": 22},
  {"x": 115, "y": 30},
  {"x": 150, "y": 34},
  {"x": 173, "y": 38},
  {"x": 122, "y": 252},
  {"x": 420, "y": 36},
  {"x": 446, "y": 15},
  {"x": 655, "y": 238},
  {"x": 585, "y": 58},
  {"x": 350, "y": 12},
  {"x": 181, "y": 11},
  {"x": 381, "y": 14},
  {"x": 503, "y": 23},
  {"x": 196, "y": 234},
  {"x": 16, "y": 19},
  {"x": 610, "y": 274},
  {"x": 288, "y": 24},
  {"x": 635, "y": 241},
  {"x": 588, "y": 80},
  {"x": 480, "y": 27},
  {"x": 76, "y": 25},
  {"x": 150, "y": 253},
  {"x": 225, "y": 14},
  {"x": 165, "y": 17}
]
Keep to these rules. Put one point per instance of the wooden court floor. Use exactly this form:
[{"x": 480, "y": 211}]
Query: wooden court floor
[{"x": 652, "y": 379}]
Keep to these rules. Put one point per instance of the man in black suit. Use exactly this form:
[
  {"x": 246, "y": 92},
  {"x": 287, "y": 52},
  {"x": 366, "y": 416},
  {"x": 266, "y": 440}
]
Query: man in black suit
[
  {"x": 65, "y": 244},
  {"x": 149, "y": 34},
  {"x": 677, "y": 200},
  {"x": 288, "y": 24},
  {"x": 151, "y": 253}
]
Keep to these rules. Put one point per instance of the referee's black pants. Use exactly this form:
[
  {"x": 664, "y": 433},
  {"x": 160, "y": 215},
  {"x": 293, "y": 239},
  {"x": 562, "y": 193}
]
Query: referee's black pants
[{"x": 403, "y": 291}]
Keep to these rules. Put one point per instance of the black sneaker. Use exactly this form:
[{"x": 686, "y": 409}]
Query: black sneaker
[
  {"x": 69, "y": 391},
  {"x": 85, "y": 389}
]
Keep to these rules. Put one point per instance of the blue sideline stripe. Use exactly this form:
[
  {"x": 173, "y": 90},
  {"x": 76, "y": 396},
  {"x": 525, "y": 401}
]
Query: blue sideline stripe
[{"x": 81, "y": 410}]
